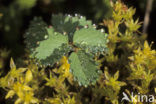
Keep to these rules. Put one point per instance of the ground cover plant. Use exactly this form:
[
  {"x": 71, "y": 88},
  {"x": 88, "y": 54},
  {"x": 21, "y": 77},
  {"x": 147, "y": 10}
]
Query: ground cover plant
[{"x": 68, "y": 59}]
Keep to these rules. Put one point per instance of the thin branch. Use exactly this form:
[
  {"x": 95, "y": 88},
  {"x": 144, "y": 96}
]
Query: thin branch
[{"x": 147, "y": 15}]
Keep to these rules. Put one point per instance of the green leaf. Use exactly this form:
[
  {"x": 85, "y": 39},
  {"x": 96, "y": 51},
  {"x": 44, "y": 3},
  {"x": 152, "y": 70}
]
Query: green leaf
[
  {"x": 91, "y": 40},
  {"x": 63, "y": 24},
  {"x": 57, "y": 55},
  {"x": 47, "y": 47},
  {"x": 82, "y": 21},
  {"x": 35, "y": 33},
  {"x": 84, "y": 68},
  {"x": 69, "y": 24}
]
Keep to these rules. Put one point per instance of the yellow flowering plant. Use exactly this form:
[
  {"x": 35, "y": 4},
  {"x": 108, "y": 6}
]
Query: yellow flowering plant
[{"x": 127, "y": 69}]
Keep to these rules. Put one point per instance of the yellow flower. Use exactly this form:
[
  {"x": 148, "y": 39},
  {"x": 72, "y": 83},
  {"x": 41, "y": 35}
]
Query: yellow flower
[
  {"x": 25, "y": 93},
  {"x": 28, "y": 76},
  {"x": 54, "y": 100},
  {"x": 61, "y": 100},
  {"x": 145, "y": 56},
  {"x": 51, "y": 81},
  {"x": 64, "y": 62},
  {"x": 69, "y": 100},
  {"x": 65, "y": 67},
  {"x": 133, "y": 25},
  {"x": 19, "y": 86}
]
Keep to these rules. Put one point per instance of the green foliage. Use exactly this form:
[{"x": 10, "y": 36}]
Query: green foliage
[
  {"x": 4, "y": 53},
  {"x": 73, "y": 49},
  {"x": 52, "y": 1},
  {"x": 47, "y": 47},
  {"x": 10, "y": 18},
  {"x": 20, "y": 84},
  {"x": 11, "y": 23},
  {"x": 133, "y": 52},
  {"x": 26, "y": 4},
  {"x": 68, "y": 25},
  {"x": 91, "y": 40},
  {"x": 67, "y": 34},
  {"x": 106, "y": 10},
  {"x": 17, "y": 83},
  {"x": 36, "y": 33},
  {"x": 84, "y": 68},
  {"x": 142, "y": 65},
  {"x": 113, "y": 86}
]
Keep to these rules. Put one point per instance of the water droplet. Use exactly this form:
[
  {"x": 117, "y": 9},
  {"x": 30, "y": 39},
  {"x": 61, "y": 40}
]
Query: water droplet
[
  {"x": 55, "y": 33},
  {"x": 94, "y": 25},
  {"x": 64, "y": 33},
  {"x": 102, "y": 30},
  {"x": 69, "y": 15},
  {"x": 38, "y": 43},
  {"x": 46, "y": 36},
  {"x": 79, "y": 83},
  {"x": 76, "y": 15},
  {"x": 86, "y": 26},
  {"x": 107, "y": 40}
]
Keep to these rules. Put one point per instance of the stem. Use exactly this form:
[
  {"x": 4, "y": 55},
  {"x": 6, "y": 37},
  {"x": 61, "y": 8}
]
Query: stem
[{"x": 147, "y": 15}]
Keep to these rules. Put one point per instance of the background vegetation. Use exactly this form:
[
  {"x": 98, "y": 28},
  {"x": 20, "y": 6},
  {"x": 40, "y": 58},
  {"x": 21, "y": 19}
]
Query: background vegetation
[{"x": 129, "y": 66}]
